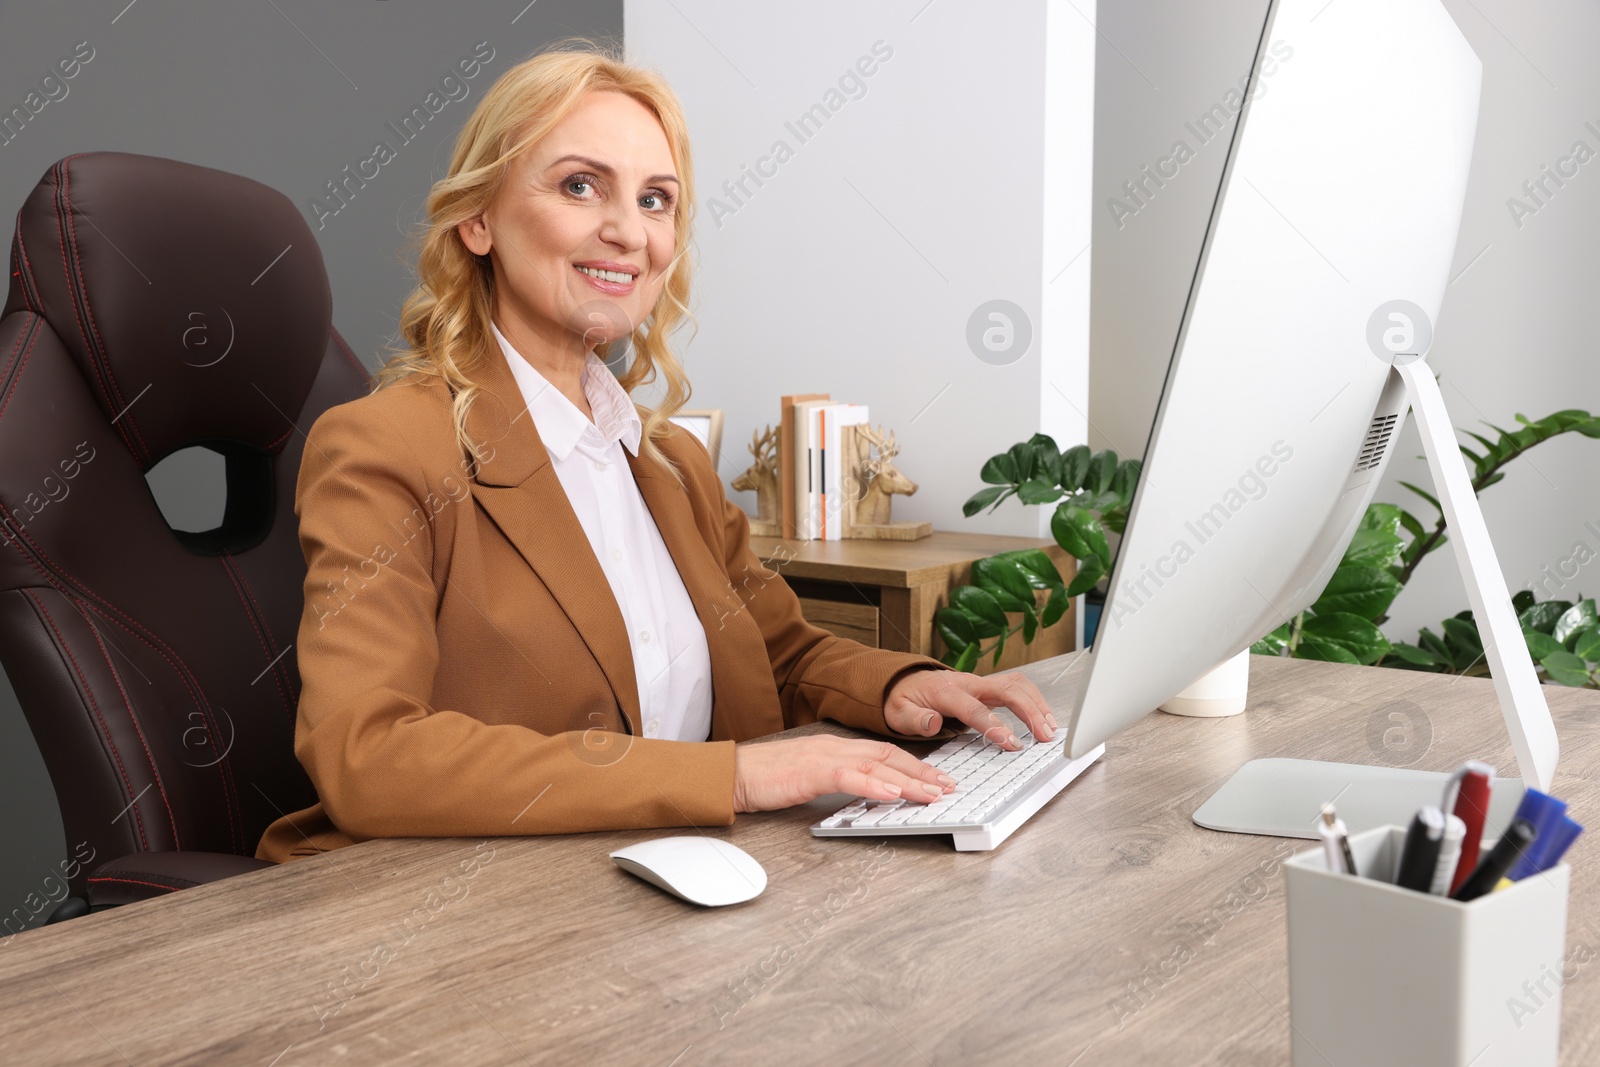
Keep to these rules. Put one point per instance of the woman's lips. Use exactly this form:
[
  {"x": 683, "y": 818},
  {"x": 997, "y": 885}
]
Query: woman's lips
[{"x": 615, "y": 288}]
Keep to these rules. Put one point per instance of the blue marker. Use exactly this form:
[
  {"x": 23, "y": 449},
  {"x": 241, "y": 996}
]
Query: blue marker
[
  {"x": 1561, "y": 838},
  {"x": 1545, "y": 812}
]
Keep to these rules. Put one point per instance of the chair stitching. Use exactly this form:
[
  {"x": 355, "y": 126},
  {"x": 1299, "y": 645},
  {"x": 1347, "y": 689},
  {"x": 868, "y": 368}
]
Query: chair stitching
[
  {"x": 186, "y": 674},
  {"x": 88, "y": 694},
  {"x": 268, "y": 646},
  {"x": 153, "y": 885},
  {"x": 351, "y": 356},
  {"x": 177, "y": 842},
  {"x": 77, "y": 266},
  {"x": 16, "y": 379},
  {"x": 61, "y": 241},
  {"x": 33, "y": 283}
]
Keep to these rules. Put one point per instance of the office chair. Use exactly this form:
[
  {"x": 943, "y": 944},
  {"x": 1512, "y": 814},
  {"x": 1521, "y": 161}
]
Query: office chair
[{"x": 153, "y": 306}]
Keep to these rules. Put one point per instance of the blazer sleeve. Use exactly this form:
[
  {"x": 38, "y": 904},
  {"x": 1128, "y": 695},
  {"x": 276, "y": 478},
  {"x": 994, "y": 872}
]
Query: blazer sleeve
[
  {"x": 819, "y": 674},
  {"x": 387, "y": 764}
]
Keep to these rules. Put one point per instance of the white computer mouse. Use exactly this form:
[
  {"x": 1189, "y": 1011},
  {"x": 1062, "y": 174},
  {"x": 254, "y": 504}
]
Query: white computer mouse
[{"x": 700, "y": 869}]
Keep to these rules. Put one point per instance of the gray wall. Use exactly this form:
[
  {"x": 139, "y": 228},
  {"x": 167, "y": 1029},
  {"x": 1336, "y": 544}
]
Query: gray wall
[
  {"x": 1515, "y": 333},
  {"x": 288, "y": 93}
]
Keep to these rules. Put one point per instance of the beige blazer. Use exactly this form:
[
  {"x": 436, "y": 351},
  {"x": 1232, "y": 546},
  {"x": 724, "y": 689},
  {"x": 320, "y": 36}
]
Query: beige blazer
[{"x": 465, "y": 667}]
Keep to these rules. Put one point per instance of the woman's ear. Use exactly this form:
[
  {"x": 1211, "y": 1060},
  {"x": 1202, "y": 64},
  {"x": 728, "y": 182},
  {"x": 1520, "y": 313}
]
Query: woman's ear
[{"x": 475, "y": 235}]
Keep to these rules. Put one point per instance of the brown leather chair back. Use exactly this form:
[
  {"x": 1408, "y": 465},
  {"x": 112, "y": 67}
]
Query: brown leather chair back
[{"x": 155, "y": 305}]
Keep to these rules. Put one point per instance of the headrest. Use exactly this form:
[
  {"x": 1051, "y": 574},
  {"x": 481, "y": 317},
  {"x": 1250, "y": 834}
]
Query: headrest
[{"x": 194, "y": 302}]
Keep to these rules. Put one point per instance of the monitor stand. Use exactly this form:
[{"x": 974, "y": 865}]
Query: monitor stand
[{"x": 1274, "y": 796}]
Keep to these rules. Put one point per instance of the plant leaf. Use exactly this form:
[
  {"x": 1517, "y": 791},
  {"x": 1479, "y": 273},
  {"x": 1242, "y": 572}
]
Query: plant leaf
[
  {"x": 1046, "y": 458},
  {"x": 1385, "y": 517},
  {"x": 1074, "y": 467},
  {"x": 1419, "y": 657},
  {"x": 1543, "y": 615},
  {"x": 1003, "y": 579},
  {"x": 1360, "y": 590},
  {"x": 1089, "y": 574},
  {"x": 955, "y": 629},
  {"x": 1102, "y": 468},
  {"x": 1080, "y": 533},
  {"x": 968, "y": 658},
  {"x": 1587, "y": 644},
  {"x": 1523, "y": 600},
  {"x": 1566, "y": 668},
  {"x": 1466, "y": 646},
  {"x": 1575, "y": 619},
  {"x": 1022, "y": 456},
  {"x": 1272, "y": 644},
  {"x": 1431, "y": 641},
  {"x": 982, "y": 499},
  {"x": 1036, "y": 566},
  {"x": 1341, "y": 638},
  {"x": 1000, "y": 470},
  {"x": 1030, "y": 625},
  {"x": 1540, "y": 645},
  {"x": 1055, "y": 607},
  {"x": 1125, "y": 481},
  {"x": 988, "y": 617},
  {"x": 1038, "y": 491},
  {"x": 1376, "y": 548}
]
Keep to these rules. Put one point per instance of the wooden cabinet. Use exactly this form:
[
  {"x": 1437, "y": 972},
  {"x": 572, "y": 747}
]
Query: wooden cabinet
[{"x": 884, "y": 593}]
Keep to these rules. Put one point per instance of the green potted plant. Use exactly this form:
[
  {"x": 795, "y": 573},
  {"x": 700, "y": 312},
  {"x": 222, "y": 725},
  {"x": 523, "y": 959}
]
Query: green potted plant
[{"x": 1092, "y": 493}]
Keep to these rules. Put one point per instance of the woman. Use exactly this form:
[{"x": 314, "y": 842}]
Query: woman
[{"x": 530, "y": 606}]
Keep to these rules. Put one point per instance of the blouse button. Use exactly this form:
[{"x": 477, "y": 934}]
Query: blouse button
[
  {"x": 599, "y": 464},
  {"x": 644, "y": 635},
  {"x": 616, "y": 553},
  {"x": 653, "y": 728}
]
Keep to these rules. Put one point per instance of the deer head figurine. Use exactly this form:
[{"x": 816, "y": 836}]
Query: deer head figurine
[
  {"x": 762, "y": 475},
  {"x": 879, "y": 475}
]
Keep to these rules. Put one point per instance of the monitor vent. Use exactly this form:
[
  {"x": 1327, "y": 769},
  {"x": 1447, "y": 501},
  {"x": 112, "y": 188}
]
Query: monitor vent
[{"x": 1377, "y": 442}]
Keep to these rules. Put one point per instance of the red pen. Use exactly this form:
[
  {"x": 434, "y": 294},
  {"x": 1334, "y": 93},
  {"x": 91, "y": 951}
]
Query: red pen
[{"x": 1469, "y": 788}]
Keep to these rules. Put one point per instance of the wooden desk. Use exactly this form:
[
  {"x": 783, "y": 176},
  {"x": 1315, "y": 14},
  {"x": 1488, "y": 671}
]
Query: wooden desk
[
  {"x": 884, "y": 593},
  {"x": 1056, "y": 948}
]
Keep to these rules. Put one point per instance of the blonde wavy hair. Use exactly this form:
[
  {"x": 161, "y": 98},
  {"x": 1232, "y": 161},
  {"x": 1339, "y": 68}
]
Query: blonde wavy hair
[{"x": 445, "y": 322}]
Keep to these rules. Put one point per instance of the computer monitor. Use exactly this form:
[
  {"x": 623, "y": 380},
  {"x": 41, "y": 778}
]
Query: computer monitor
[{"x": 1324, "y": 265}]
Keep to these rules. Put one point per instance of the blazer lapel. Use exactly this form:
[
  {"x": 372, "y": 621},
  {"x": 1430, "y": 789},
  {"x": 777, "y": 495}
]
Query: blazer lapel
[{"x": 518, "y": 487}]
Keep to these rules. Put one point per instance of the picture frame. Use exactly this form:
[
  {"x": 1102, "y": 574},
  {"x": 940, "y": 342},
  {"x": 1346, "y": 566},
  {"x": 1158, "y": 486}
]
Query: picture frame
[{"x": 706, "y": 424}]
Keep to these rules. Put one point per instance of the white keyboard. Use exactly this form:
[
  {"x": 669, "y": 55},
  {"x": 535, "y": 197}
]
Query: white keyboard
[{"x": 996, "y": 790}]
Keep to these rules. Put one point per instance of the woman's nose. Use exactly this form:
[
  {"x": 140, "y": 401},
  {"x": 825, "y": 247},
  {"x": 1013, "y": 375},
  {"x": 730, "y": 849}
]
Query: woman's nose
[{"x": 623, "y": 225}]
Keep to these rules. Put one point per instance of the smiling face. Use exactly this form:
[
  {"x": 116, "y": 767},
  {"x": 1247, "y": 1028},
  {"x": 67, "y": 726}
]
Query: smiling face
[{"x": 581, "y": 233}]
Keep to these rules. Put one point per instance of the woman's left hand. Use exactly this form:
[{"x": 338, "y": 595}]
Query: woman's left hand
[{"x": 920, "y": 702}]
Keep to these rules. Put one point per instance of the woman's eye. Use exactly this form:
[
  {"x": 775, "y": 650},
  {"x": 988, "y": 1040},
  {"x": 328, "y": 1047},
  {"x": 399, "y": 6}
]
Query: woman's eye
[{"x": 578, "y": 181}]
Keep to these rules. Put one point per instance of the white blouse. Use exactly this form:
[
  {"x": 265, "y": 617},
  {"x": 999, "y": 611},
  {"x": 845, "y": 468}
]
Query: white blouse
[{"x": 671, "y": 661}]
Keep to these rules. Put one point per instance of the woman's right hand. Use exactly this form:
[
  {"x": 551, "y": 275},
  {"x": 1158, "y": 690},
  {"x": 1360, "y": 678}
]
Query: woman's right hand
[{"x": 780, "y": 774}]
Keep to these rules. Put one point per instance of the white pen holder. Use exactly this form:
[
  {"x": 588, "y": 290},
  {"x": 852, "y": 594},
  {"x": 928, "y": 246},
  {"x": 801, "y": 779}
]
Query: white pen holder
[{"x": 1380, "y": 975}]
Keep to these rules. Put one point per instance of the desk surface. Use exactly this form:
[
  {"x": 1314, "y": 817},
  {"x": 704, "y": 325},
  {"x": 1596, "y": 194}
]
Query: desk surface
[{"x": 1065, "y": 946}]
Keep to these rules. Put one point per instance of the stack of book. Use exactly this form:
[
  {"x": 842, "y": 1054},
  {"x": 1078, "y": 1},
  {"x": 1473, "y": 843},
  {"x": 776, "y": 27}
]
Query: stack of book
[{"x": 813, "y": 477}]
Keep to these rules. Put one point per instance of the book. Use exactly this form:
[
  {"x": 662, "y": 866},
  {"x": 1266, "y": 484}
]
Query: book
[
  {"x": 834, "y": 487},
  {"x": 805, "y": 472},
  {"x": 786, "y": 460}
]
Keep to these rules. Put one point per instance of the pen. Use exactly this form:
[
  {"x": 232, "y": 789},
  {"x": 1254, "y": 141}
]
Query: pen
[
  {"x": 1466, "y": 795},
  {"x": 1420, "y": 855},
  {"x": 1561, "y": 840},
  {"x": 1335, "y": 842},
  {"x": 1449, "y": 855},
  {"x": 1545, "y": 812},
  {"x": 1518, "y": 836}
]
